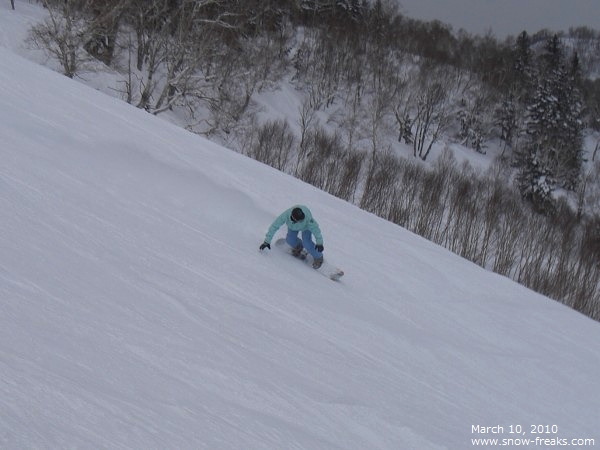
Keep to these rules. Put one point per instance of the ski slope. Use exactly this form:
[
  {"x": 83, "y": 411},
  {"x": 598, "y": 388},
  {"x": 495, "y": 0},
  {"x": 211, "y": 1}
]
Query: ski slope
[{"x": 136, "y": 311}]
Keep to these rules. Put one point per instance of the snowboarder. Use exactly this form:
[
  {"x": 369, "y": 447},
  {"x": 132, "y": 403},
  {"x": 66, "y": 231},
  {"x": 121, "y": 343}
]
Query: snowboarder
[{"x": 298, "y": 218}]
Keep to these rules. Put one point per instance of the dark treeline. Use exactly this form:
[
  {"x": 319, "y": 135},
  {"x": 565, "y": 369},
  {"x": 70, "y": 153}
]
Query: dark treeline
[{"x": 381, "y": 78}]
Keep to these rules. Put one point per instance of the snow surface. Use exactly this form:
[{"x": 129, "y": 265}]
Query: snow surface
[{"x": 137, "y": 312}]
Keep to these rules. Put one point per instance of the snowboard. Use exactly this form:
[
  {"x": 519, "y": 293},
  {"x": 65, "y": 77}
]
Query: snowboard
[{"x": 326, "y": 269}]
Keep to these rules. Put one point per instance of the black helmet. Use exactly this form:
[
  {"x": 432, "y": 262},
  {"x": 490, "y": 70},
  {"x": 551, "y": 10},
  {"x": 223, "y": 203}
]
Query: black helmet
[{"x": 297, "y": 215}]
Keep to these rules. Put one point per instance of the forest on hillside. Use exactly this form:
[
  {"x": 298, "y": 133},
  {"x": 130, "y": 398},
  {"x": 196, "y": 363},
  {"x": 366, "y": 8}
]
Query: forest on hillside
[{"x": 383, "y": 79}]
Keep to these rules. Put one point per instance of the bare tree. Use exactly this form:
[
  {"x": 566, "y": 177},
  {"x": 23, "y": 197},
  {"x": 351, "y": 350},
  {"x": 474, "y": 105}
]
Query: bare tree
[
  {"x": 307, "y": 122},
  {"x": 104, "y": 22},
  {"x": 274, "y": 144},
  {"x": 321, "y": 165},
  {"x": 63, "y": 34},
  {"x": 161, "y": 47},
  {"x": 433, "y": 108},
  {"x": 584, "y": 295},
  {"x": 430, "y": 210},
  {"x": 380, "y": 185},
  {"x": 349, "y": 175},
  {"x": 405, "y": 197}
]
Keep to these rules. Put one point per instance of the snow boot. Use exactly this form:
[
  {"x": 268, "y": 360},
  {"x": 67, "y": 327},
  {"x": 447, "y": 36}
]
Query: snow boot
[
  {"x": 318, "y": 262},
  {"x": 297, "y": 251}
]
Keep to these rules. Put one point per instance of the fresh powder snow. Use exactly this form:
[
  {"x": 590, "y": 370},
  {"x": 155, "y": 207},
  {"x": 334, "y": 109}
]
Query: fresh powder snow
[{"x": 136, "y": 311}]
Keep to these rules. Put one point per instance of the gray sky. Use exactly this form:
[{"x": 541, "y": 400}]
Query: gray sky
[{"x": 506, "y": 17}]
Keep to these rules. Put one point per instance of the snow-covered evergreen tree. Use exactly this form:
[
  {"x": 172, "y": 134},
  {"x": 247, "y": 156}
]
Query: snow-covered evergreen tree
[
  {"x": 535, "y": 181},
  {"x": 554, "y": 123},
  {"x": 522, "y": 70}
]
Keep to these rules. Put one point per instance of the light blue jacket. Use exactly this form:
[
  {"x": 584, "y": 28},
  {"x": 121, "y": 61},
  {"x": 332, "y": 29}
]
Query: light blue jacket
[{"x": 307, "y": 224}]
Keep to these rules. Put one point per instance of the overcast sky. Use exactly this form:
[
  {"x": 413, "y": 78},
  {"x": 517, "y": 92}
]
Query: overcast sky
[{"x": 506, "y": 17}]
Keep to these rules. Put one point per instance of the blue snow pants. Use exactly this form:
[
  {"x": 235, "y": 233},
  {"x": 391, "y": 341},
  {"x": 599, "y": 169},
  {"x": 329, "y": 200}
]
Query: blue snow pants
[{"x": 307, "y": 242}]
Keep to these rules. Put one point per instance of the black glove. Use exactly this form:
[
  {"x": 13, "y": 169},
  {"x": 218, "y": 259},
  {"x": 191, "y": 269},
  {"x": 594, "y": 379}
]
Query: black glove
[
  {"x": 319, "y": 248},
  {"x": 265, "y": 245}
]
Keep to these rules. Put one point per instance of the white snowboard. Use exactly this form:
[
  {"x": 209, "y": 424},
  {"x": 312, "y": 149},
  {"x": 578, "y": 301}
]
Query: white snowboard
[{"x": 326, "y": 269}]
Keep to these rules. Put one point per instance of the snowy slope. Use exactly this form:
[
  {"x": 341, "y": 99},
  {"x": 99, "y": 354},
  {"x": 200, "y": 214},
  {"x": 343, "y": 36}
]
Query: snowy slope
[{"x": 137, "y": 312}]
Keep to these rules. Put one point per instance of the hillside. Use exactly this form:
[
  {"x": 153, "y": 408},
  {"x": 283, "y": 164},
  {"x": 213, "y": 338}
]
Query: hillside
[{"x": 137, "y": 311}]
